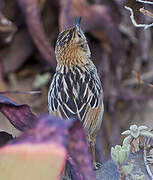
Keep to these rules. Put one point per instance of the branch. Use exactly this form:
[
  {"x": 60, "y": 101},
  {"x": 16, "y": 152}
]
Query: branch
[
  {"x": 20, "y": 92},
  {"x": 145, "y": 161},
  {"x": 146, "y": 2},
  {"x": 148, "y": 76},
  {"x": 145, "y": 26},
  {"x": 146, "y": 12}
]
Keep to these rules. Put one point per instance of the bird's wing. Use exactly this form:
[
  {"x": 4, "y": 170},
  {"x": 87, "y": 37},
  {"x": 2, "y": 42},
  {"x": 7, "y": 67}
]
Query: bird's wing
[{"x": 79, "y": 96}]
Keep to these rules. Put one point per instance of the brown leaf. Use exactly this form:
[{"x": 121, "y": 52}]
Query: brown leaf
[
  {"x": 3, "y": 84},
  {"x": 20, "y": 116},
  {"x": 137, "y": 144},
  {"x": 7, "y": 30},
  {"x": 18, "y": 52},
  {"x": 4, "y": 138},
  {"x": 35, "y": 27},
  {"x": 96, "y": 19},
  {"x": 149, "y": 141}
]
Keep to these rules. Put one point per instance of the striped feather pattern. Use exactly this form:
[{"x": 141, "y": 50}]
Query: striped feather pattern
[{"x": 76, "y": 92}]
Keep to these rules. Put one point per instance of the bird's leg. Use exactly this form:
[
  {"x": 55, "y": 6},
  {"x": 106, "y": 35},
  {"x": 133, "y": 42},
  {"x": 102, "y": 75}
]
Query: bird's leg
[{"x": 92, "y": 146}]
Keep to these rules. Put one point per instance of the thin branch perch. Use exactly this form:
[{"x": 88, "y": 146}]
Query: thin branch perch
[
  {"x": 145, "y": 26},
  {"x": 146, "y": 2},
  {"x": 146, "y": 12}
]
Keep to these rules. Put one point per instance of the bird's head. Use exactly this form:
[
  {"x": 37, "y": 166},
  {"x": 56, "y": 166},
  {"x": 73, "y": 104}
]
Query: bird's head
[{"x": 71, "y": 45}]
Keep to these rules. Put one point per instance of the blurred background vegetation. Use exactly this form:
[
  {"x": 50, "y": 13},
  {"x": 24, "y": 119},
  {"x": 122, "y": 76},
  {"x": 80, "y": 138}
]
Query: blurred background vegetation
[{"x": 121, "y": 53}]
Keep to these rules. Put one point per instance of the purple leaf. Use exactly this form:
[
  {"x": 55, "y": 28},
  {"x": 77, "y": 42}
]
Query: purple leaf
[
  {"x": 20, "y": 116},
  {"x": 79, "y": 151},
  {"x": 48, "y": 129},
  {"x": 34, "y": 148},
  {"x": 68, "y": 133}
]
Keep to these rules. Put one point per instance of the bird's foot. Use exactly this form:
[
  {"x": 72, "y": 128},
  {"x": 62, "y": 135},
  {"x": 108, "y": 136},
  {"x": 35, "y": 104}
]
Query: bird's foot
[{"x": 97, "y": 165}]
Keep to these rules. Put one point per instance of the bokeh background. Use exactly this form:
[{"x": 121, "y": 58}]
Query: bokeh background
[{"x": 122, "y": 53}]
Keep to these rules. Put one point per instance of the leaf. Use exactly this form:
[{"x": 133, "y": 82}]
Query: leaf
[
  {"x": 15, "y": 55},
  {"x": 40, "y": 152},
  {"x": 41, "y": 80},
  {"x": 4, "y": 138},
  {"x": 7, "y": 30},
  {"x": 48, "y": 128},
  {"x": 79, "y": 151},
  {"x": 20, "y": 116},
  {"x": 92, "y": 14},
  {"x": 71, "y": 134},
  {"x": 67, "y": 133},
  {"x": 32, "y": 161},
  {"x": 149, "y": 141},
  {"x": 35, "y": 27},
  {"x": 49, "y": 132}
]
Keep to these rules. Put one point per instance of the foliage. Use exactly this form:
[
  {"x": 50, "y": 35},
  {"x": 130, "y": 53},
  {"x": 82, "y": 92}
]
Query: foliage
[
  {"x": 44, "y": 144},
  {"x": 123, "y": 56}
]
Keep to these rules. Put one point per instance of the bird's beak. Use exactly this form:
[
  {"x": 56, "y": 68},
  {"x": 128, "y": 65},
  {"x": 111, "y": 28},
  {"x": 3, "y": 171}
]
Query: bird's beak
[{"x": 77, "y": 23}]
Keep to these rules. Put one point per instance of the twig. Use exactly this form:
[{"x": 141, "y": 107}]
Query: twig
[
  {"x": 127, "y": 97},
  {"x": 145, "y": 26},
  {"x": 20, "y": 92},
  {"x": 144, "y": 77},
  {"x": 146, "y": 2},
  {"x": 145, "y": 160},
  {"x": 146, "y": 12}
]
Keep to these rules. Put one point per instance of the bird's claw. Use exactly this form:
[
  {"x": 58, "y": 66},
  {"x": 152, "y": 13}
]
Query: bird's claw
[{"x": 97, "y": 165}]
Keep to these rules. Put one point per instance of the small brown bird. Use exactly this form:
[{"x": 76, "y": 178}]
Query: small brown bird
[{"x": 76, "y": 90}]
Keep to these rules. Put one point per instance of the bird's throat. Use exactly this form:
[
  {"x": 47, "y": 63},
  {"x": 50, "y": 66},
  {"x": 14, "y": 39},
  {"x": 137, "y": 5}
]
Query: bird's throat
[{"x": 72, "y": 57}]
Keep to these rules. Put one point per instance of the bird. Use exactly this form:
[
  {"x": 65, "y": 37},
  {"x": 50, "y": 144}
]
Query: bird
[{"x": 76, "y": 90}]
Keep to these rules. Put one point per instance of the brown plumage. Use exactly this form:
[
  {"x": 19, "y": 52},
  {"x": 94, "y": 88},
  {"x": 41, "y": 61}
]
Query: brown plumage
[{"x": 76, "y": 90}]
